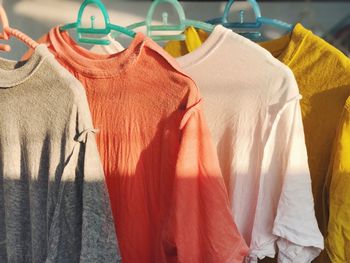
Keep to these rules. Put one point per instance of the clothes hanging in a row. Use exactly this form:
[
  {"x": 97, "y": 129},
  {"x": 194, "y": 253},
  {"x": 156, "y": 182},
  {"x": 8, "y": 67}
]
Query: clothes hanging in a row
[
  {"x": 54, "y": 204},
  {"x": 190, "y": 147},
  {"x": 166, "y": 188},
  {"x": 323, "y": 76},
  {"x": 255, "y": 123},
  {"x": 276, "y": 129},
  {"x": 160, "y": 166}
]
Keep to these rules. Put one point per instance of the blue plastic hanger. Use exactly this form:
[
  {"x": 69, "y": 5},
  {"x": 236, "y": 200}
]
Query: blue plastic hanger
[
  {"x": 259, "y": 21},
  {"x": 183, "y": 24},
  {"x": 92, "y": 30}
]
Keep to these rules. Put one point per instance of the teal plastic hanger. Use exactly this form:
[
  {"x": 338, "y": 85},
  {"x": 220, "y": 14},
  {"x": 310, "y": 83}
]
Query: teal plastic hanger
[
  {"x": 183, "y": 24},
  {"x": 259, "y": 21},
  {"x": 92, "y": 30}
]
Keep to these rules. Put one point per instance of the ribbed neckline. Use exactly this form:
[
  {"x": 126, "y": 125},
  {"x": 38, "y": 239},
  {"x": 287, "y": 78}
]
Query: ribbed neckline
[
  {"x": 14, "y": 73},
  {"x": 210, "y": 45},
  {"x": 92, "y": 64},
  {"x": 284, "y": 48},
  {"x": 287, "y": 47}
]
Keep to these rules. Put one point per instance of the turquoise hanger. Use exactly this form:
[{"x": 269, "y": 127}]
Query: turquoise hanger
[
  {"x": 183, "y": 24},
  {"x": 259, "y": 21},
  {"x": 92, "y": 30}
]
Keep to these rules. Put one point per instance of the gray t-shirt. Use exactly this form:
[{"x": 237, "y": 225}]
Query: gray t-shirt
[{"x": 54, "y": 204}]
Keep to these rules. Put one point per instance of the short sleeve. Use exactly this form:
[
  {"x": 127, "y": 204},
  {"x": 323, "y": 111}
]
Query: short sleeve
[
  {"x": 82, "y": 228},
  {"x": 285, "y": 221},
  {"x": 202, "y": 225},
  {"x": 295, "y": 225}
]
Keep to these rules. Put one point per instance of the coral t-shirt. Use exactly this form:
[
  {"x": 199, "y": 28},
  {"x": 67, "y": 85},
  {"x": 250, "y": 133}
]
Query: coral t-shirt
[{"x": 167, "y": 193}]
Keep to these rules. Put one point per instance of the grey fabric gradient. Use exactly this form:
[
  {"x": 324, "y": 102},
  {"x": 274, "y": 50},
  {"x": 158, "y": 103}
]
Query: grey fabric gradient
[{"x": 54, "y": 204}]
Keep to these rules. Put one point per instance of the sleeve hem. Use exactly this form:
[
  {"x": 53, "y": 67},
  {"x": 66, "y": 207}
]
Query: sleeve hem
[
  {"x": 298, "y": 258},
  {"x": 189, "y": 111},
  {"x": 240, "y": 252},
  {"x": 317, "y": 243}
]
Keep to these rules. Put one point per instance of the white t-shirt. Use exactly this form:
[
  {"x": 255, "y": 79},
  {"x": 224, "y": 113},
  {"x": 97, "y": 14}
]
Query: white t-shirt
[
  {"x": 112, "y": 48},
  {"x": 251, "y": 103}
]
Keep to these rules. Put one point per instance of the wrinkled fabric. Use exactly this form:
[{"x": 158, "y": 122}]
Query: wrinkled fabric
[
  {"x": 323, "y": 76},
  {"x": 54, "y": 204},
  {"x": 338, "y": 194},
  {"x": 322, "y": 73},
  {"x": 254, "y": 115},
  {"x": 167, "y": 193}
]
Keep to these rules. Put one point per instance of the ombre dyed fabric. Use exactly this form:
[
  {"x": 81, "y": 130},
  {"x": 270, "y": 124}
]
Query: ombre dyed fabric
[
  {"x": 54, "y": 204},
  {"x": 254, "y": 115}
]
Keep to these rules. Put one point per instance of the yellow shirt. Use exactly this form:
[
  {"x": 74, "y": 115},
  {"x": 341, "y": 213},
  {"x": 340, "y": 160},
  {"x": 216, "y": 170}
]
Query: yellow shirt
[
  {"x": 338, "y": 193},
  {"x": 323, "y": 76},
  {"x": 194, "y": 39}
]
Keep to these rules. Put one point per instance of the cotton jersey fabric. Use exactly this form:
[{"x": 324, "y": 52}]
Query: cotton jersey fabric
[
  {"x": 323, "y": 76},
  {"x": 54, "y": 204},
  {"x": 167, "y": 193},
  {"x": 338, "y": 194},
  {"x": 252, "y": 106},
  {"x": 274, "y": 168},
  {"x": 262, "y": 113}
]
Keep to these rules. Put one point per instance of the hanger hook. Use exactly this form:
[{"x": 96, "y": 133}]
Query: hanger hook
[
  {"x": 97, "y": 3},
  {"x": 165, "y": 18},
  {"x": 179, "y": 9},
  {"x": 92, "y": 19},
  {"x": 254, "y": 4},
  {"x": 241, "y": 16}
]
